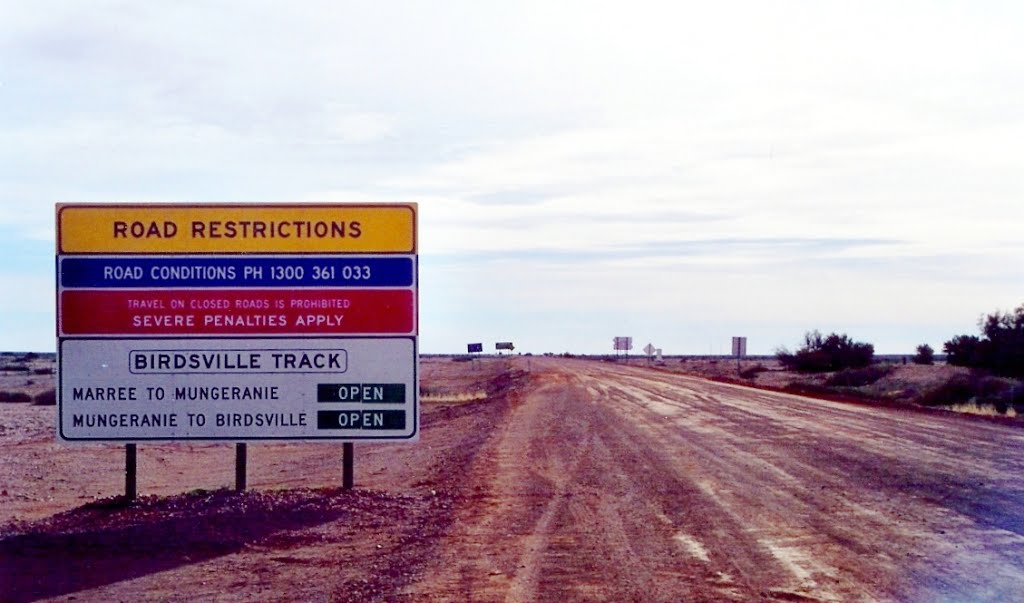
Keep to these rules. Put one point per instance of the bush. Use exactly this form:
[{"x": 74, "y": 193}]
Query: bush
[
  {"x": 858, "y": 377},
  {"x": 47, "y": 398},
  {"x": 753, "y": 371},
  {"x": 1000, "y": 348},
  {"x": 963, "y": 350},
  {"x": 8, "y": 396},
  {"x": 959, "y": 389},
  {"x": 925, "y": 354},
  {"x": 978, "y": 389},
  {"x": 823, "y": 354}
]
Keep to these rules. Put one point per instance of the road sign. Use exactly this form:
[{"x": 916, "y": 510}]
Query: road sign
[
  {"x": 475, "y": 348},
  {"x": 237, "y": 389},
  {"x": 504, "y": 345},
  {"x": 649, "y": 349},
  {"x": 739, "y": 347},
  {"x": 131, "y": 312},
  {"x": 623, "y": 343},
  {"x": 261, "y": 229},
  {"x": 206, "y": 322}
]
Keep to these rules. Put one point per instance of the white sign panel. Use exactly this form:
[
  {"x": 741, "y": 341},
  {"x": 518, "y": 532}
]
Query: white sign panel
[
  {"x": 237, "y": 322},
  {"x": 739, "y": 347},
  {"x": 238, "y": 389}
]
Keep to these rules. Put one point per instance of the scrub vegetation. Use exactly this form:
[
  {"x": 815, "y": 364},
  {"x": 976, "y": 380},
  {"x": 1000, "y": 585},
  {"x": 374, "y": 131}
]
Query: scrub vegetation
[
  {"x": 820, "y": 353},
  {"x": 999, "y": 349},
  {"x": 991, "y": 363}
]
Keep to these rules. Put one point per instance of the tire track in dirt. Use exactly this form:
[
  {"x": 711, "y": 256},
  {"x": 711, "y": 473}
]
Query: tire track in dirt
[
  {"x": 576, "y": 506},
  {"x": 857, "y": 503}
]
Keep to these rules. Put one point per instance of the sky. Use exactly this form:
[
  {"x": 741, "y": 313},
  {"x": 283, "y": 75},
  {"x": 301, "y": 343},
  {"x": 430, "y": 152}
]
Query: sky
[{"x": 678, "y": 172}]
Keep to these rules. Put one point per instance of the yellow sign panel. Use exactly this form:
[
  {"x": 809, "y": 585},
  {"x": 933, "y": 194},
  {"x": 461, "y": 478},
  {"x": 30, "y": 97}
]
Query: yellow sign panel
[{"x": 157, "y": 228}]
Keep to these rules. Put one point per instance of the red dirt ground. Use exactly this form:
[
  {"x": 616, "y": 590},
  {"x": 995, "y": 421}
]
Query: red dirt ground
[{"x": 537, "y": 480}]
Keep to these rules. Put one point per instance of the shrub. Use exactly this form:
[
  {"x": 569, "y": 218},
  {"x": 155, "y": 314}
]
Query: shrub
[
  {"x": 958, "y": 389},
  {"x": 9, "y": 396},
  {"x": 925, "y": 354},
  {"x": 47, "y": 398},
  {"x": 858, "y": 377},
  {"x": 822, "y": 354},
  {"x": 978, "y": 389},
  {"x": 1000, "y": 348},
  {"x": 753, "y": 371}
]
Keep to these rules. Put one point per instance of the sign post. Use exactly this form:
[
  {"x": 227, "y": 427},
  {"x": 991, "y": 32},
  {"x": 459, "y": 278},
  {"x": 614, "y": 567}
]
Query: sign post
[
  {"x": 474, "y": 348},
  {"x": 622, "y": 344},
  {"x": 241, "y": 466},
  {"x": 739, "y": 350},
  {"x": 131, "y": 489},
  {"x": 230, "y": 322},
  {"x": 347, "y": 465}
]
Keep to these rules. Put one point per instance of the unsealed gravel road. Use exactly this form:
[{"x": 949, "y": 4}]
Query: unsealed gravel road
[
  {"x": 576, "y": 481},
  {"x": 624, "y": 484}
]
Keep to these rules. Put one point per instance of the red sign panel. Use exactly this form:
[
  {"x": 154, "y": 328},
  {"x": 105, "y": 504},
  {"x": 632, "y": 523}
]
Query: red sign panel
[{"x": 237, "y": 312}]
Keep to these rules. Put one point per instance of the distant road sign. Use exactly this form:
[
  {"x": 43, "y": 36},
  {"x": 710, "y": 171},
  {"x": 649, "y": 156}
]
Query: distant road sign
[
  {"x": 623, "y": 343},
  {"x": 739, "y": 347},
  {"x": 475, "y": 348},
  {"x": 649, "y": 349},
  {"x": 504, "y": 345}
]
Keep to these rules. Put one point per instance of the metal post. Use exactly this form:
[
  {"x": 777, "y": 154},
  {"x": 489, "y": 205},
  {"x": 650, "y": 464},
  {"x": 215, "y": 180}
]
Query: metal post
[
  {"x": 130, "y": 465},
  {"x": 241, "y": 454},
  {"x": 347, "y": 465}
]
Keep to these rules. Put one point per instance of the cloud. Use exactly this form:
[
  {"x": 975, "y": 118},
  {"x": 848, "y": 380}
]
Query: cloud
[
  {"x": 355, "y": 127},
  {"x": 676, "y": 161}
]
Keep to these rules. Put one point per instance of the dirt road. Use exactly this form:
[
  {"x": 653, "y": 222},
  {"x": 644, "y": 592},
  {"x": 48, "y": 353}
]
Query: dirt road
[
  {"x": 586, "y": 481},
  {"x": 614, "y": 483}
]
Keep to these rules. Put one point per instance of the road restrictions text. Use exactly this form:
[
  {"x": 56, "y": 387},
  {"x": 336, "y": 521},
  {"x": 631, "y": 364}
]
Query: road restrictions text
[{"x": 183, "y": 229}]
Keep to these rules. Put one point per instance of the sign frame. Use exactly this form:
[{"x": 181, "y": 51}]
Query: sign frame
[
  {"x": 739, "y": 347},
  {"x": 78, "y": 241}
]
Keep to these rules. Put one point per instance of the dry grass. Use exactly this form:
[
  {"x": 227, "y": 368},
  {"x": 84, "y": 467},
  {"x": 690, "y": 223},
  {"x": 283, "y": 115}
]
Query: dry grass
[
  {"x": 984, "y": 410},
  {"x": 453, "y": 398},
  {"x": 909, "y": 383}
]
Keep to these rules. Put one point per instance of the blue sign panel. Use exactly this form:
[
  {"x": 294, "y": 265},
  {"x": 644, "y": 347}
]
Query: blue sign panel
[{"x": 97, "y": 272}]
